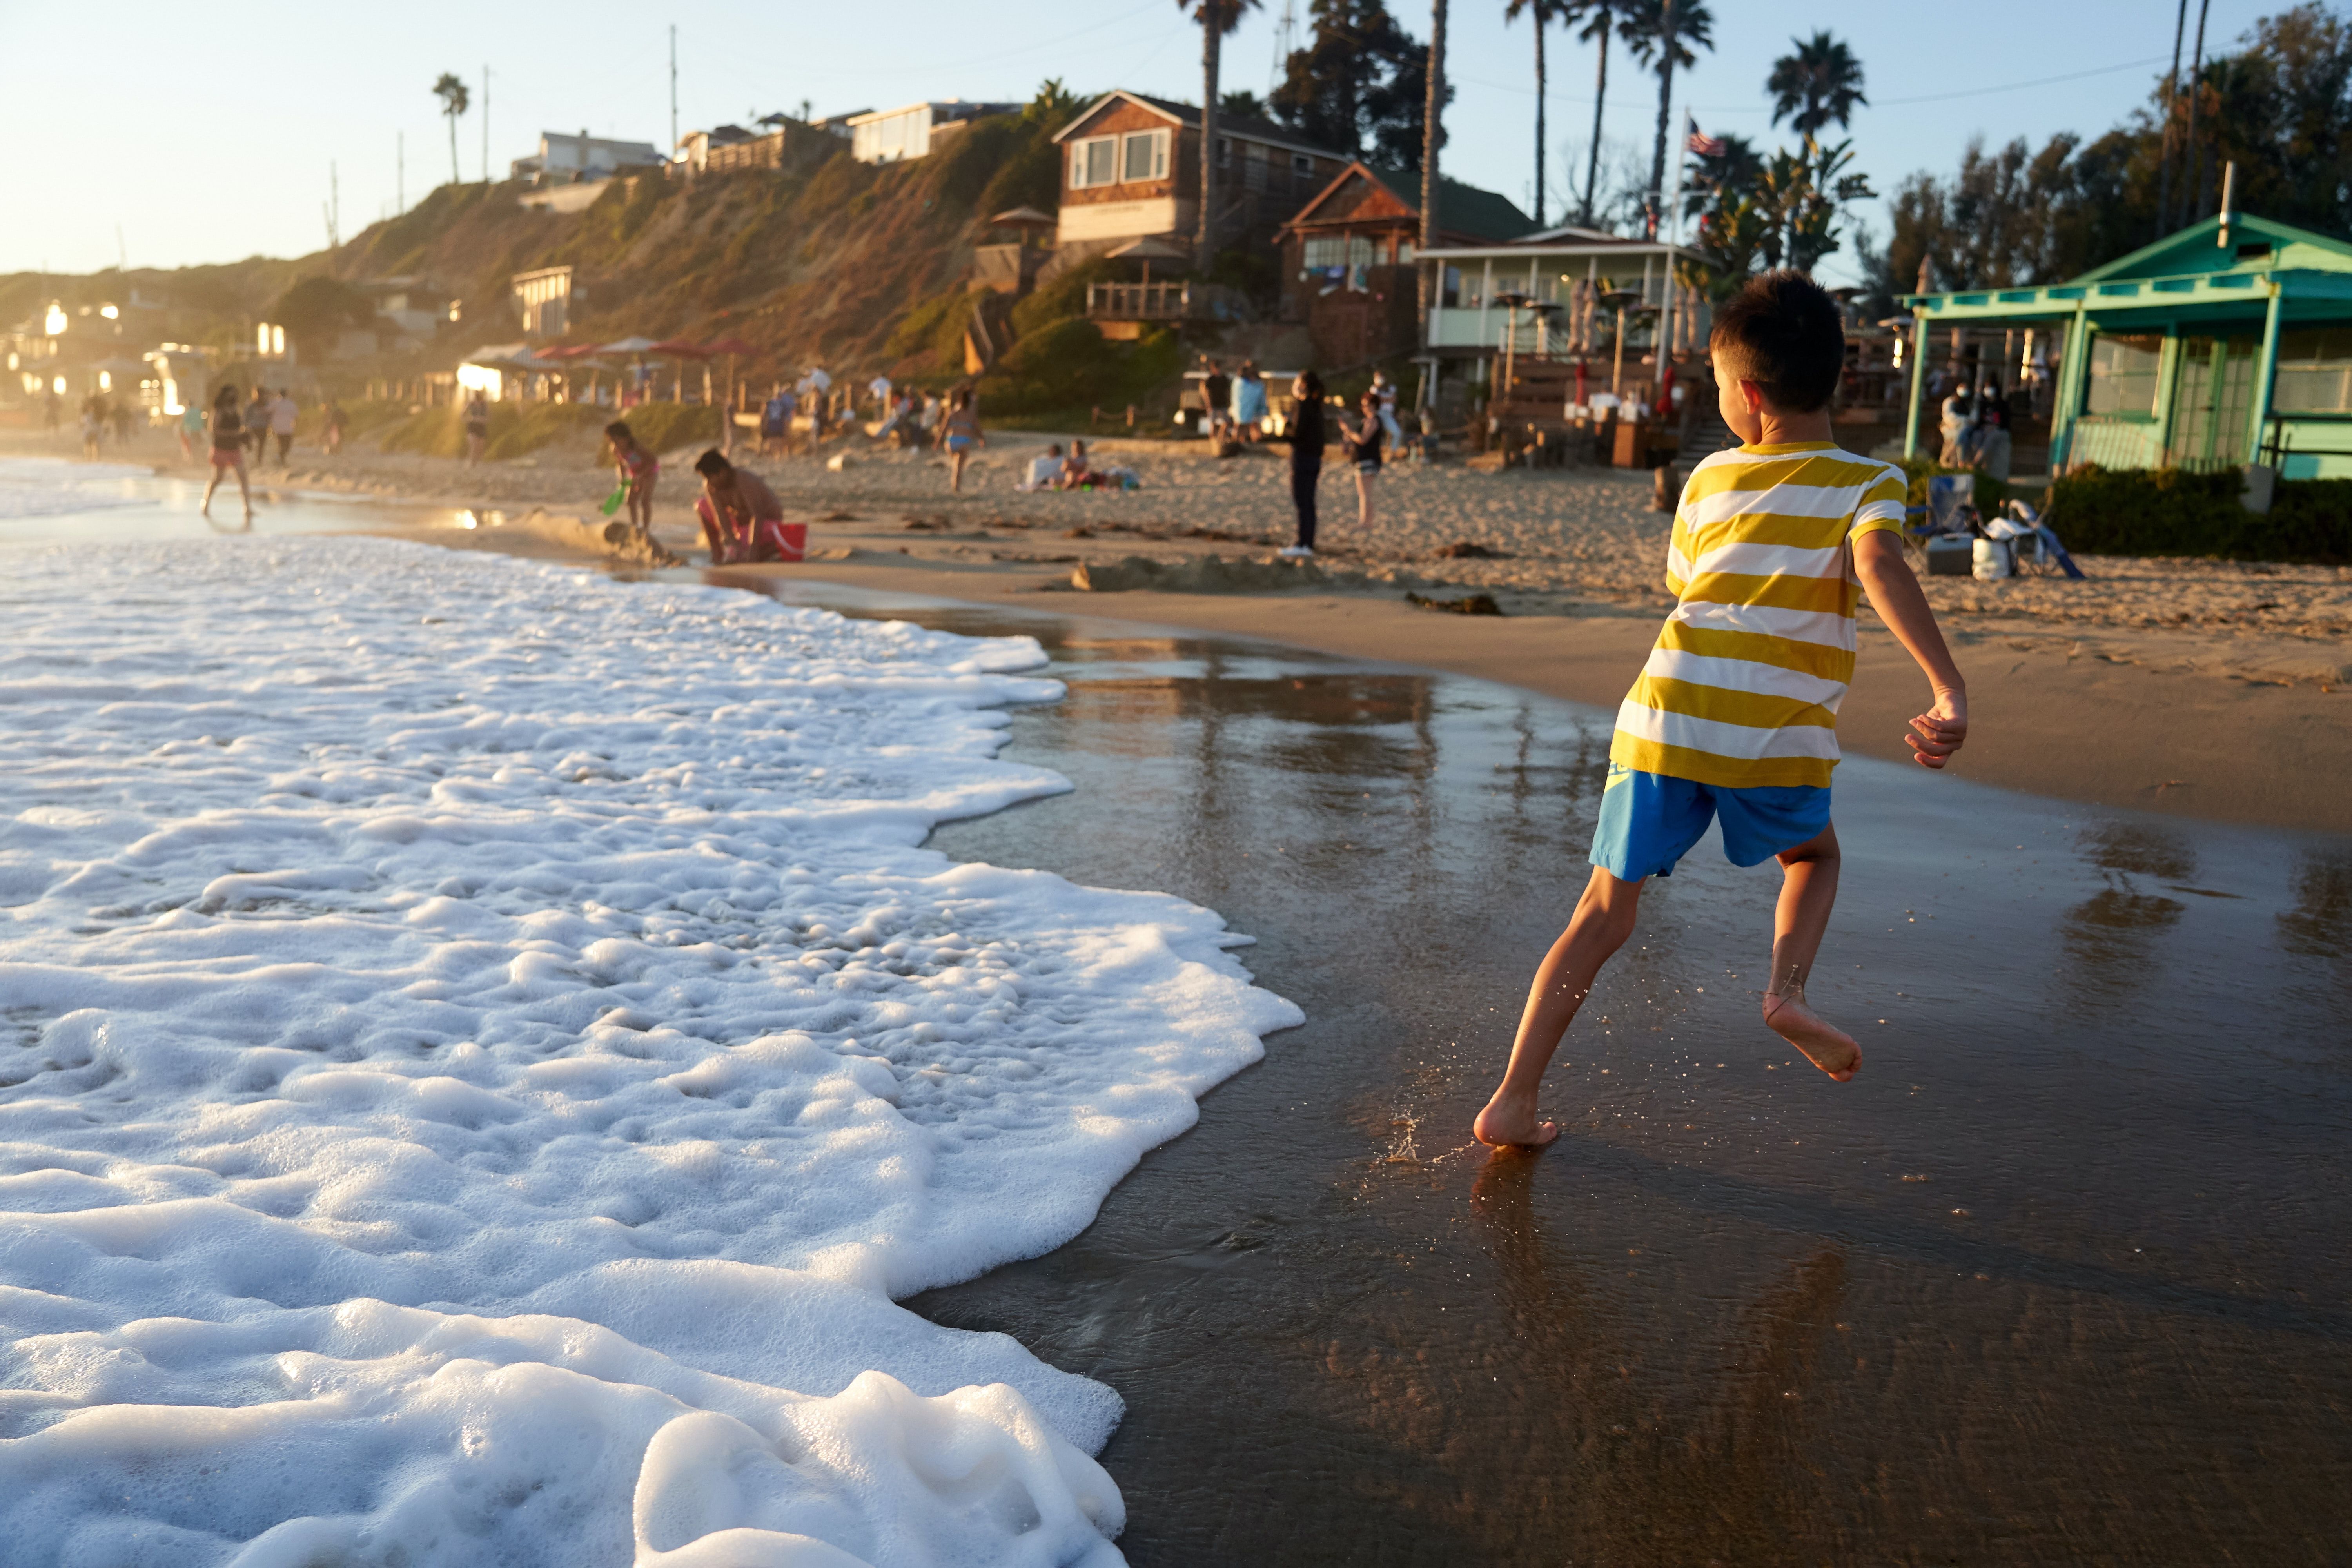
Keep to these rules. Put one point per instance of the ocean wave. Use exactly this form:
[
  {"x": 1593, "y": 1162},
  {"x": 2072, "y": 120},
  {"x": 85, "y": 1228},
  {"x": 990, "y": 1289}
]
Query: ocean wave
[{"x": 481, "y": 1046}]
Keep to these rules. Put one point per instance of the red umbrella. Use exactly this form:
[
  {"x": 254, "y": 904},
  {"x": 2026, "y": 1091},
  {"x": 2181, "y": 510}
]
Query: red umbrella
[{"x": 575, "y": 350}]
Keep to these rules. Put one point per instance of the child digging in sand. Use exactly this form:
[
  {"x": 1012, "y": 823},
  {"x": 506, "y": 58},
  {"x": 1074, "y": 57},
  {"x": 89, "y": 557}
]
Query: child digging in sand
[{"x": 1734, "y": 717}]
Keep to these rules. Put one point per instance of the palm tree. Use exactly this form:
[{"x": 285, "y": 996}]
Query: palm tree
[
  {"x": 454, "y": 99},
  {"x": 1544, "y": 13},
  {"x": 1600, "y": 19},
  {"x": 1217, "y": 18},
  {"x": 1818, "y": 85},
  {"x": 1663, "y": 31}
]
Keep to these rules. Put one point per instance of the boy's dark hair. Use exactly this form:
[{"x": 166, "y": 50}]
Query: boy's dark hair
[
  {"x": 1313, "y": 384},
  {"x": 712, "y": 464},
  {"x": 1784, "y": 332},
  {"x": 619, "y": 429}
]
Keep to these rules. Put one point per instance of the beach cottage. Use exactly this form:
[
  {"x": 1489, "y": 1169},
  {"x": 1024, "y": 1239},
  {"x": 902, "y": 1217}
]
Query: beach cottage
[
  {"x": 1348, "y": 269},
  {"x": 1131, "y": 171},
  {"x": 2226, "y": 344}
]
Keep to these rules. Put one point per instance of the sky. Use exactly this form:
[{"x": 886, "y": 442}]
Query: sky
[{"x": 180, "y": 134}]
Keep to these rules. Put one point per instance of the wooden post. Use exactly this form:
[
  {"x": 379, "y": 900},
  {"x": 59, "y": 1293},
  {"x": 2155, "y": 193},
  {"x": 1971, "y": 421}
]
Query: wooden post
[
  {"x": 2073, "y": 364},
  {"x": 2265, "y": 372},
  {"x": 1918, "y": 381}
]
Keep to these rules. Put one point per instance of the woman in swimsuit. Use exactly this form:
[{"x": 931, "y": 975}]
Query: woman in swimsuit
[
  {"x": 635, "y": 468},
  {"x": 228, "y": 451},
  {"x": 961, "y": 434}
]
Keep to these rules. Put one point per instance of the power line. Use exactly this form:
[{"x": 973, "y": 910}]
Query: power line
[{"x": 1876, "y": 103}]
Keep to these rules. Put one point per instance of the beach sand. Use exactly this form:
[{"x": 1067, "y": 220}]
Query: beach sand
[{"x": 2205, "y": 689}]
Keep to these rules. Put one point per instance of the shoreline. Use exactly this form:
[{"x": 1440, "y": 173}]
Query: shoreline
[{"x": 2231, "y": 705}]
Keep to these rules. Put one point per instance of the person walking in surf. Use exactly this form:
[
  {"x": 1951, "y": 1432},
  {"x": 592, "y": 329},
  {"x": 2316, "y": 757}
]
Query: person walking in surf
[
  {"x": 228, "y": 451},
  {"x": 1734, "y": 717}
]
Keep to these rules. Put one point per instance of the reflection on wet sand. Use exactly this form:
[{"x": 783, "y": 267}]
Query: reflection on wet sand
[{"x": 2064, "y": 1283}]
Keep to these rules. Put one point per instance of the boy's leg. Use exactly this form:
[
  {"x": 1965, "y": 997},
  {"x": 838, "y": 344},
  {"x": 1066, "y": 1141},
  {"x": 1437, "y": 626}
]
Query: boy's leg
[
  {"x": 1808, "y": 893},
  {"x": 1603, "y": 919}
]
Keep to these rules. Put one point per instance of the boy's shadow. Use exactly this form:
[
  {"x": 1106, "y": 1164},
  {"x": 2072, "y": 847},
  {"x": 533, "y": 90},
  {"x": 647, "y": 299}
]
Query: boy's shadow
[{"x": 1657, "y": 1473}]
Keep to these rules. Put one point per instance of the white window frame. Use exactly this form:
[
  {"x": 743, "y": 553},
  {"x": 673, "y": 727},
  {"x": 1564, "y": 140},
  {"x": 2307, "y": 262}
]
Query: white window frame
[
  {"x": 1080, "y": 152},
  {"x": 1157, "y": 160}
]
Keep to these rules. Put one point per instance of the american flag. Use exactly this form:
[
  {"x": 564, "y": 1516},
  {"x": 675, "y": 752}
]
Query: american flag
[{"x": 1700, "y": 142}]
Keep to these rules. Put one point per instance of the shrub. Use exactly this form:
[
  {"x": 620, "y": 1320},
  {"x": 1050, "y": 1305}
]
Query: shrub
[{"x": 2166, "y": 512}]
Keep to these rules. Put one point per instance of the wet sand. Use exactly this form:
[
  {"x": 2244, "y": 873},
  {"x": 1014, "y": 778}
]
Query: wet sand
[{"x": 2059, "y": 1278}]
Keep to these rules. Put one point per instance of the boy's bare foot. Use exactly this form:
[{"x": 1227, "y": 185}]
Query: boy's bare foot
[
  {"x": 1825, "y": 1044},
  {"x": 1510, "y": 1123}
]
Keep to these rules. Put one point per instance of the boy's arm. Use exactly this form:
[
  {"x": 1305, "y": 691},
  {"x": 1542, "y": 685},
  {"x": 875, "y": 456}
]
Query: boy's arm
[{"x": 1894, "y": 595}]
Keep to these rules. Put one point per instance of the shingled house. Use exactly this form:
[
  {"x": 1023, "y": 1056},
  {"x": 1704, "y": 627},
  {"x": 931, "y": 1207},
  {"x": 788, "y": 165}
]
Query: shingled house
[
  {"x": 1130, "y": 170},
  {"x": 1347, "y": 256}
]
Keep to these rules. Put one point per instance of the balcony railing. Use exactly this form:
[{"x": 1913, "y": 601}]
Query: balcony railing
[{"x": 1163, "y": 302}]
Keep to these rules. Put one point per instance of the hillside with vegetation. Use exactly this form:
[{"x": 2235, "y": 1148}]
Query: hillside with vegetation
[{"x": 858, "y": 267}]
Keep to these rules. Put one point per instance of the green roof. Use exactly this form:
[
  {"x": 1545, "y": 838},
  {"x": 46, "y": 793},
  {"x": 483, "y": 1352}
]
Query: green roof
[
  {"x": 2196, "y": 249},
  {"x": 1461, "y": 209}
]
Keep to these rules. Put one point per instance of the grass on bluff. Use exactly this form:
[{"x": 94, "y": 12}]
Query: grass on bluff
[{"x": 518, "y": 429}]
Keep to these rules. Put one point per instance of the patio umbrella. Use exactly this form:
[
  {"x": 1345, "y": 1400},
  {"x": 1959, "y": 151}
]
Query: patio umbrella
[
  {"x": 679, "y": 349},
  {"x": 637, "y": 348}
]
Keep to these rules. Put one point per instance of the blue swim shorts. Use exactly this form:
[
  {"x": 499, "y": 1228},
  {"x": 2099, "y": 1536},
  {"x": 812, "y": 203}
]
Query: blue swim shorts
[{"x": 1649, "y": 821}]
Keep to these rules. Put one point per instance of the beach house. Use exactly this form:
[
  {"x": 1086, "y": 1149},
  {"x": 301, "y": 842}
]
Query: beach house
[
  {"x": 2226, "y": 344},
  {"x": 1130, "y": 170},
  {"x": 895, "y": 135},
  {"x": 1348, "y": 271}
]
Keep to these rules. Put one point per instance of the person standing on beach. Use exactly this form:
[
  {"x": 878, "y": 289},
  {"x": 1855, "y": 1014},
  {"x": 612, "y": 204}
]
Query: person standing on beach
[
  {"x": 1217, "y": 394},
  {"x": 1364, "y": 451},
  {"x": 635, "y": 470},
  {"x": 228, "y": 451},
  {"x": 1249, "y": 402},
  {"x": 1306, "y": 461},
  {"x": 282, "y": 415},
  {"x": 1386, "y": 391},
  {"x": 192, "y": 430},
  {"x": 776, "y": 422},
  {"x": 257, "y": 424},
  {"x": 331, "y": 420},
  {"x": 960, "y": 434},
  {"x": 1734, "y": 717},
  {"x": 478, "y": 426}
]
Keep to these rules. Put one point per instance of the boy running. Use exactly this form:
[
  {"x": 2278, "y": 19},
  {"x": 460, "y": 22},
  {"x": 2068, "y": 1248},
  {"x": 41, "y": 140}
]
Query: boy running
[{"x": 1735, "y": 715}]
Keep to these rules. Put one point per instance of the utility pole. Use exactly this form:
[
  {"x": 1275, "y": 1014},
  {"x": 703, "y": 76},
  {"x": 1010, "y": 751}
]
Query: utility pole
[
  {"x": 2196, "y": 170},
  {"x": 1286, "y": 42},
  {"x": 2171, "y": 104},
  {"x": 672, "y": 153},
  {"x": 1432, "y": 133},
  {"x": 400, "y": 176},
  {"x": 486, "y": 124}
]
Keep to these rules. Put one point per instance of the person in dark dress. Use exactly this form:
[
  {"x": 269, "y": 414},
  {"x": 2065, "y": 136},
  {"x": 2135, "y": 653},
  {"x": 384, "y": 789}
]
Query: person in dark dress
[{"x": 1306, "y": 432}]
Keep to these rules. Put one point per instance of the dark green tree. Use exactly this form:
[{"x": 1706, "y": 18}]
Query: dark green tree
[
  {"x": 1359, "y": 86},
  {"x": 1818, "y": 85},
  {"x": 1593, "y": 21},
  {"x": 1541, "y": 15},
  {"x": 1661, "y": 33},
  {"x": 453, "y": 102},
  {"x": 1217, "y": 18}
]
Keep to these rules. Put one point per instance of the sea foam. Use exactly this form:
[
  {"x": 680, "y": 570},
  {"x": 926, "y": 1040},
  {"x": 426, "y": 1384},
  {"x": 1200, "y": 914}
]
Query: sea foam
[
  {"x": 52, "y": 487},
  {"x": 482, "y": 1045}
]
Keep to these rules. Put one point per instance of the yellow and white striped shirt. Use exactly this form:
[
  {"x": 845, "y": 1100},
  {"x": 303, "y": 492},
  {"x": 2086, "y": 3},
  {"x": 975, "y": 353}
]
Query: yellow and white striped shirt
[{"x": 1743, "y": 686}]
